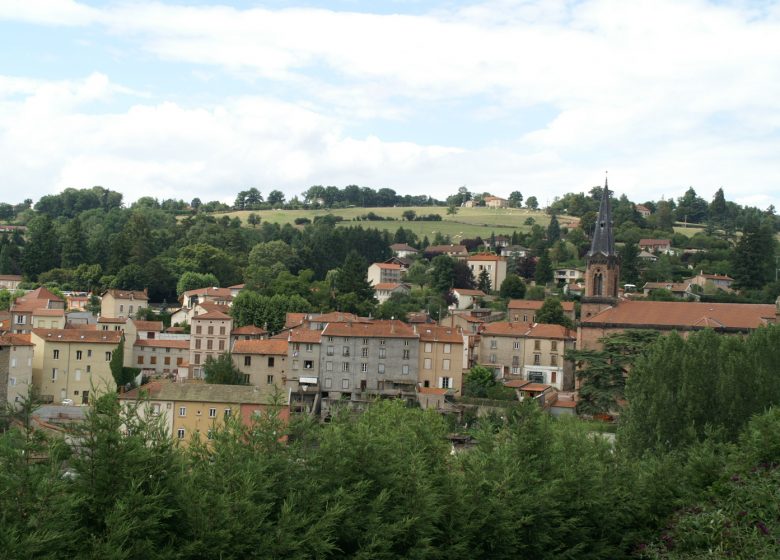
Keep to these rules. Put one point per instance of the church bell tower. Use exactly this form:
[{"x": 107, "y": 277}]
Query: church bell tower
[{"x": 602, "y": 272}]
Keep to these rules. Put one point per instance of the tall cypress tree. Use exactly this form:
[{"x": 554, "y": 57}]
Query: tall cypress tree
[{"x": 42, "y": 250}]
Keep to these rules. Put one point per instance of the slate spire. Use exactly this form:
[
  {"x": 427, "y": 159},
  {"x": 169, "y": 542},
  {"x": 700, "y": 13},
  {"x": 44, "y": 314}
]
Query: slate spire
[{"x": 603, "y": 241}]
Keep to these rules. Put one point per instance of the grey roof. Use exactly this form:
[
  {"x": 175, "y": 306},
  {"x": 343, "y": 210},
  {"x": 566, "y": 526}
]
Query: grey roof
[
  {"x": 199, "y": 392},
  {"x": 603, "y": 241}
]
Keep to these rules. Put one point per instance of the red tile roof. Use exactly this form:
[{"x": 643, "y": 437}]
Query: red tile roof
[
  {"x": 79, "y": 335},
  {"x": 112, "y": 320},
  {"x": 461, "y": 249},
  {"x": 127, "y": 294},
  {"x": 162, "y": 343},
  {"x": 248, "y": 329},
  {"x": 485, "y": 257},
  {"x": 274, "y": 346},
  {"x": 155, "y": 326},
  {"x": 534, "y": 330},
  {"x": 9, "y": 339},
  {"x": 390, "y": 266},
  {"x": 390, "y": 286},
  {"x": 304, "y": 335},
  {"x": 432, "y": 391},
  {"x": 466, "y": 292},
  {"x": 433, "y": 333},
  {"x": 212, "y": 315},
  {"x": 683, "y": 314},
  {"x": 377, "y": 329},
  {"x": 395, "y": 247},
  {"x": 654, "y": 242},
  {"x": 536, "y": 304},
  {"x": 215, "y": 292},
  {"x": 49, "y": 312}
]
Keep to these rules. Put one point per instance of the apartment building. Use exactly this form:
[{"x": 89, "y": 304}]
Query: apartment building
[
  {"x": 16, "y": 352},
  {"x": 263, "y": 363},
  {"x": 209, "y": 337},
  {"x": 122, "y": 303},
  {"x": 440, "y": 359}
]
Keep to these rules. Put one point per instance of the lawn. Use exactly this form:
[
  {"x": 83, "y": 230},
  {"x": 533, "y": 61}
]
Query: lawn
[{"x": 467, "y": 223}]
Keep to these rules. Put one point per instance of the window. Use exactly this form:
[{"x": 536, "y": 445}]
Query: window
[
  {"x": 140, "y": 360},
  {"x": 308, "y": 364},
  {"x": 345, "y": 383},
  {"x": 309, "y": 347},
  {"x": 167, "y": 360},
  {"x": 553, "y": 376},
  {"x": 427, "y": 363},
  {"x": 516, "y": 345},
  {"x": 269, "y": 379},
  {"x": 447, "y": 348},
  {"x": 344, "y": 366},
  {"x": 121, "y": 308},
  {"x": 525, "y": 318},
  {"x": 12, "y": 381},
  {"x": 329, "y": 350},
  {"x": 212, "y": 412},
  {"x": 345, "y": 351},
  {"x": 406, "y": 354},
  {"x": 364, "y": 353},
  {"x": 445, "y": 365},
  {"x": 89, "y": 353},
  {"x": 364, "y": 367},
  {"x": 13, "y": 362},
  {"x": 405, "y": 369},
  {"x": 537, "y": 359},
  {"x": 428, "y": 347},
  {"x": 222, "y": 330},
  {"x": 382, "y": 352},
  {"x": 553, "y": 359},
  {"x": 198, "y": 329},
  {"x": 554, "y": 345},
  {"x": 130, "y": 309},
  {"x": 271, "y": 361},
  {"x": 180, "y": 433},
  {"x": 328, "y": 366},
  {"x": 328, "y": 382},
  {"x": 153, "y": 360},
  {"x": 221, "y": 345},
  {"x": 108, "y": 356},
  {"x": 537, "y": 344},
  {"x": 492, "y": 358},
  {"x": 20, "y": 320},
  {"x": 247, "y": 360},
  {"x": 182, "y": 411},
  {"x": 515, "y": 370},
  {"x": 210, "y": 329},
  {"x": 365, "y": 342},
  {"x": 79, "y": 354},
  {"x": 56, "y": 354},
  {"x": 406, "y": 343},
  {"x": 381, "y": 341},
  {"x": 54, "y": 374},
  {"x": 197, "y": 344},
  {"x": 381, "y": 368},
  {"x": 89, "y": 369},
  {"x": 209, "y": 344},
  {"x": 330, "y": 339},
  {"x": 445, "y": 383},
  {"x": 227, "y": 413},
  {"x": 179, "y": 361},
  {"x": 197, "y": 358}
]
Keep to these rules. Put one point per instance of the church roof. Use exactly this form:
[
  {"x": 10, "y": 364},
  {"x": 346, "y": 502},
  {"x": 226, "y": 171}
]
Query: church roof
[{"x": 603, "y": 241}]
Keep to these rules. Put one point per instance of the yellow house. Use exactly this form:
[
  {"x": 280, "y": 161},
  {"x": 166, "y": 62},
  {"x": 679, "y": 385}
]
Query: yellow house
[
  {"x": 69, "y": 363},
  {"x": 122, "y": 303},
  {"x": 441, "y": 358}
]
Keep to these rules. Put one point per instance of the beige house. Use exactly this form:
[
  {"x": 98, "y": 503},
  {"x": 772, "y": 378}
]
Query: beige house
[
  {"x": 496, "y": 202},
  {"x": 531, "y": 352},
  {"x": 40, "y": 304},
  {"x": 493, "y": 264},
  {"x": 385, "y": 273},
  {"x": 220, "y": 296},
  {"x": 122, "y": 303},
  {"x": 465, "y": 298},
  {"x": 16, "y": 353},
  {"x": 525, "y": 310},
  {"x": 10, "y": 281},
  {"x": 209, "y": 337},
  {"x": 383, "y": 292},
  {"x": 160, "y": 356},
  {"x": 264, "y": 363},
  {"x": 441, "y": 358},
  {"x": 70, "y": 363}
]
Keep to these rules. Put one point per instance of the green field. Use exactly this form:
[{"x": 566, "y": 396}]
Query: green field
[{"x": 467, "y": 223}]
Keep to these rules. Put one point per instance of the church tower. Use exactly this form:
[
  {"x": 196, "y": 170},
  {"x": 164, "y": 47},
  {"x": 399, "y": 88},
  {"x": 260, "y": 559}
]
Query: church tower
[{"x": 602, "y": 272}]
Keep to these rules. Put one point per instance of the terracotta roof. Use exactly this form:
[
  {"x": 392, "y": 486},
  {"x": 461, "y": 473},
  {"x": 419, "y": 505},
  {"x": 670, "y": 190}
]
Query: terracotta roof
[
  {"x": 390, "y": 286},
  {"x": 211, "y": 306},
  {"x": 213, "y": 291},
  {"x": 534, "y": 330},
  {"x": 9, "y": 339},
  {"x": 237, "y": 286},
  {"x": 432, "y": 391},
  {"x": 155, "y": 326},
  {"x": 535, "y": 387},
  {"x": 276, "y": 346},
  {"x": 293, "y": 319},
  {"x": 215, "y": 315},
  {"x": 41, "y": 293},
  {"x": 390, "y": 266},
  {"x": 302, "y": 334},
  {"x": 162, "y": 343},
  {"x": 716, "y": 277},
  {"x": 175, "y": 329},
  {"x": 485, "y": 257},
  {"x": 248, "y": 329},
  {"x": 127, "y": 294},
  {"x": 42, "y": 312},
  {"x": 536, "y": 305},
  {"x": 654, "y": 242},
  {"x": 466, "y": 292},
  {"x": 11, "y": 277},
  {"x": 198, "y": 392},
  {"x": 112, "y": 320},
  {"x": 684, "y": 314},
  {"x": 377, "y": 329},
  {"x": 402, "y": 247},
  {"x": 433, "y": 333},
  {"x": 79, "y": 335}
]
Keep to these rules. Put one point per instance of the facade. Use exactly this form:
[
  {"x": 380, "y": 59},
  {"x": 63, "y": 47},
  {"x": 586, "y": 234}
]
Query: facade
[
  {"x": 16, "y": 353},
  {"x": 304, "y": 354},
  {"x": 466, "y": 298},
  {"x": 383, "y": 291},
  {"x": 441, "y": 358},
  {"x": 23, "y": 309},
  {"x": 48, "y": 319},
  {"x": 209, "y": 337},
  {"x": 495, "y": 202},
  {"x": 493, "y": 264},
  {"x": 656, "y": 246},
  {"x": 385, "y": 273},
  {"x": 602, "y": 272},
  {"x": 263, "y": 363},
  {"x": 10, "y": 281},
  {"x": 712, "y": 281},
  {"x": 643, "y": 210},
  {"x": 161, "y": 356},
  {"x": 122, "y": 304},
  {"x": 568, "y": 275},
  {"x": 403, "y": 250},
  {"x": 458, "y": 252},
  {"x": 70, "y": 363},
  {"x": 220, "y": 296},
  {"x": 247, "y": 332},
  {"x": 525, "y": 310}
]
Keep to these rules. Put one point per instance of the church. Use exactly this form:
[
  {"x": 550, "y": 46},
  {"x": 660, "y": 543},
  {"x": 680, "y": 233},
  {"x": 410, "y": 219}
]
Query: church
[{"x": 604, "y": 310}]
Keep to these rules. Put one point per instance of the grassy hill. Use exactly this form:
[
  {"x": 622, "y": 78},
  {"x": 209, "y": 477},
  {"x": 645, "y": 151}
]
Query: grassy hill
[{"x": 467, "y": 223}]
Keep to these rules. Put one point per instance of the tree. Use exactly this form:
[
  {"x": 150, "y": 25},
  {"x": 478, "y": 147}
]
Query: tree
[
  {"x": 512, "y": 287},
  {"x": 194, "y": 280},
  {"x": 452, "y": 210},
  {"x": 74, "y": 244},
  {"x": 629, "y": 264},
  {"x": 275, "y": 198},
  {"x": 484, "y": 282},
  {"x": 552, "y": 313},
  {"x": 718, "y": 210},
  {"x": 223, "y": 371},
  {"x": 442, "y": 273},
  {"x": 553, "y": 230},
  {"x": 516, "y": 199},
  {"x": 409, "y": 215},
  {"x": 123, "y": 376},
  {"x": 478, "y": 380},
  {"x": 691, "y": 208},
  {"x": 253, "y": 219},
  {"x": 352, "y": 278},
  {"x": 41, "y": 253},
  {"x": 196, "y": 204},
  {"x": 532, "y": 203},
  {"x": 753, "y": 260},
  {"x": 544, "y": 271}
]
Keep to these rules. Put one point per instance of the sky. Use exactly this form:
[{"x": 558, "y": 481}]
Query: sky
[{"x": 207, "y": 98}]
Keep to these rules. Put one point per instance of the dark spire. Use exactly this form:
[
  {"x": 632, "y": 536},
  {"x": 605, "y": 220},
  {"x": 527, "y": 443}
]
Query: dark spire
[{"x": 603, "y": 241}]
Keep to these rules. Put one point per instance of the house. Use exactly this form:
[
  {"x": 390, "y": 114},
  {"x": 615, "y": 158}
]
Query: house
[
  {"x": 48, "y": 319},
  {"x": 712, "y": 282},
  {"x": 403, "y": 250},
  {"x": 122, "y": 303},
  {"x": 236, "y": 289},
  {"x": 184, "y": 315},
  {"x": 458, "y": 252},
  {"x": 220, "y": 296},
  {"x": 656, "y": 246},
  {"x": 263, "y": 363},
  {"x": 161, "y": 356},
  {"x": 643, "y": 210},
  {"x": 209, "y": 337},
  {"x": 10, "y": 281},
  {"x": 16, "y": 353},
  {"x": 195, "y": 410},
  {"x": 247, "y": 332},
  {"x": 367, "y": 359},
  {"x": 303, "y": 379},
  {"x": 111, "y": 324},
  {"x": 465, "y": 298},
  {"x": 23, "y": 309},
  {"x": 681, "y": 290},
  {"x": 647, "y": 256},
  {"x": 441, "y": 358},
  {"x": 532, "y": 352},
  {"x": 69, "y": 363},
  {"x": 493, "y": 264},
  {"x": 517, "y": 251},
  {"x": 540, "y": 392},
  {"x": 383, "y": 291},
  {"x": 435, "y": 398},
  {"x": 568, "y": 275},
  {"x": 385, "y": 273},
  {"x": 495, "y": 202},
  {"x": 525, "y": 310}
]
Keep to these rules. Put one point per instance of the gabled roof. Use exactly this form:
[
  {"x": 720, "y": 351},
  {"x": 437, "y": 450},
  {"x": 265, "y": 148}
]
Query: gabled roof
[
  {"x": 377, "y": 329},
  {"x": 388, "y": 266},
  {"x": 391, "y": 286},
  {"x": 536, "y": 304},
  {"x": 467, "y": 292},
  {"x": 43, "y": 312},
  {"x": 683, "y": 315},
  {"x": 273, "y": 346},
  {"x": 460, "y": 249},
  {"x": 79, "y": 335},
  {"x": 155, "y": 326},
  {"x": 208, "y": 306},
  {"x": 485, "y": 257},
  {"x": 163, "y": 343},
  {"x": 9, "y": 339},
  {"x": 434, "y": 333},
  {"x": 127, "y": 294},
  {"x": 527, "y": 330},
  {"x": 304, "y": 335},
  {"x": 213, "y": 292},
  {"x": 402, "y": 247},
  {"x": 197, "y": 392},
  {"x": 212, "y": 315},
  {"x": 248, "y": 329}
]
